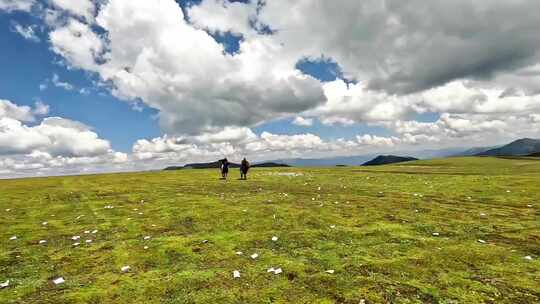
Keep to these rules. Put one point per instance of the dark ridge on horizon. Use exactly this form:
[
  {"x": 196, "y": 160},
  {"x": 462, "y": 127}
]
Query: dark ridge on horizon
[
  {"x": 520, "y": 147},
  {"x": 216, "y": 165},
  {"x": 388, "y": 159}
]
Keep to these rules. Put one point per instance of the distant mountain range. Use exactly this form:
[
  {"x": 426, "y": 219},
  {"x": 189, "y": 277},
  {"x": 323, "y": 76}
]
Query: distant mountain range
[
  {"x": 520, "y": 147},
  {"x": 388, "y": 159},
  {"x": 357, "y": 160}
]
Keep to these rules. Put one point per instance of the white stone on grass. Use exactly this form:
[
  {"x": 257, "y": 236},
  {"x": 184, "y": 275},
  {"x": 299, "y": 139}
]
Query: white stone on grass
[
  {"x": 76, "y": 244},
  {"x": 330, "y": 271},
  {"x": 76, "y": 237},
  {"x": 239, "y": 253},
  {"x": 94, "y": 231},
  {"x": 88, "y": 241},
  {"x": 254, "y": 256},
  {"x": 236, "y": 274},
  {"x": 332, "y": 226},
  {"x": 13, "y": 238},
  {"x": 145, "y": 247},
  {"x": 44, "y": 223},
  {"x": 278, "y": 271},
  {"x": 528, "y": 258},
  {"x": 42, "y": 242},
  {"x": 274, "y": 238},
  {"x": 125, "y": 269},
  {"x": 435, "y": 234},
  {"x": 482, "y": 241},
  {"x": 4, "y": 285},
  {"x": 59, "y": 281},
  {"x": 146, "y": 238}
]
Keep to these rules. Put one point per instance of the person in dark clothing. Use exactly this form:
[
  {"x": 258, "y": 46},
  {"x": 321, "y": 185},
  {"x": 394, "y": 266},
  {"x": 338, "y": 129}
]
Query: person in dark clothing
[
  {"x": 224, "y": 168},
  {"x": 244, "y": 168}
]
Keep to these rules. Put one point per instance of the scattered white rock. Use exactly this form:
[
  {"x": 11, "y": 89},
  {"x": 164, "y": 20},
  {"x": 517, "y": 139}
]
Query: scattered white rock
[
  {"x": 87, "y": 232},
  {"x": 319, "y": 189},
  {"x": 44, "y": 223},
  {"x": 59, "y": 281},
  {"x": 42, "y": 242},
  {"x": 8, "y": 210},
  {"x": 146, "y": 238},
  {"x": 435, "y": 234},
  {"x": 274, "y": 270},
  {"x": 94, "y": 231},
  {"x": 330, "y": 271},
  {"x": 530, "y": 206},
  {"x": 205, "y": 241},
  {"x": 76, "y": 237},
  {"x": 78, "y": 217},
  {"x": 109, "y": 207},
  {"x": 13, "y": 238},
  {"x": 482, "y": 241},
  {"x": 4, "y": 285},
  {"x": 254, "y": 256},
  {"x": 140, "y": 213},
  {"x": 236, "y": 274},
  {"x": 76, "y": 244},
  {"x": 88, "y": 241},
  {"x": 239, "y": 253},
  {"x": 529, "y": 258},
  {"x": 125, "y": 269},
  {"x": 145, "y": 247},
  {"x": 507, "y": 191},
  {"x": 482, "y": 214},
  {"x": 332, "y": 226},
  {"x": 274, "y": 238}
]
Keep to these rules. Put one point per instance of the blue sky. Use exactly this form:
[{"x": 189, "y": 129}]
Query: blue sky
[{"x": 27, "y": 64}]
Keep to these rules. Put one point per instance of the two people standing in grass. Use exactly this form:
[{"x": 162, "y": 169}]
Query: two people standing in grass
[{"x": 224, "y": 167}]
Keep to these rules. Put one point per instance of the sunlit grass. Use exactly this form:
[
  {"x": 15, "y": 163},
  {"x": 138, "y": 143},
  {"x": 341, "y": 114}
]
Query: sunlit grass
[{"x": 373, "y": 226}]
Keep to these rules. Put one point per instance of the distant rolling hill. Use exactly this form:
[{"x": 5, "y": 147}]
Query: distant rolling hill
[
  {"x": 534, "y": 154},
  {"x": 520, "y": 147},
  {"x": 474, "y": 151},
  {"x": 216, "y": 165},
  {"x": 388, "y": 159}
]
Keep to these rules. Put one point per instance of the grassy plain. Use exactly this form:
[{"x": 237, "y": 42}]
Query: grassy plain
[{"x": 375, "y": 227}]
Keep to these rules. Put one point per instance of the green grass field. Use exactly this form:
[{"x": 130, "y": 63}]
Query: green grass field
[{"x": 375, "y": 227}]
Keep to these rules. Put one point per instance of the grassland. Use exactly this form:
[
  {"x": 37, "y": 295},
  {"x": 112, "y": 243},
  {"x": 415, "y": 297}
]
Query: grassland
[{"x": 375, "y": 227}]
